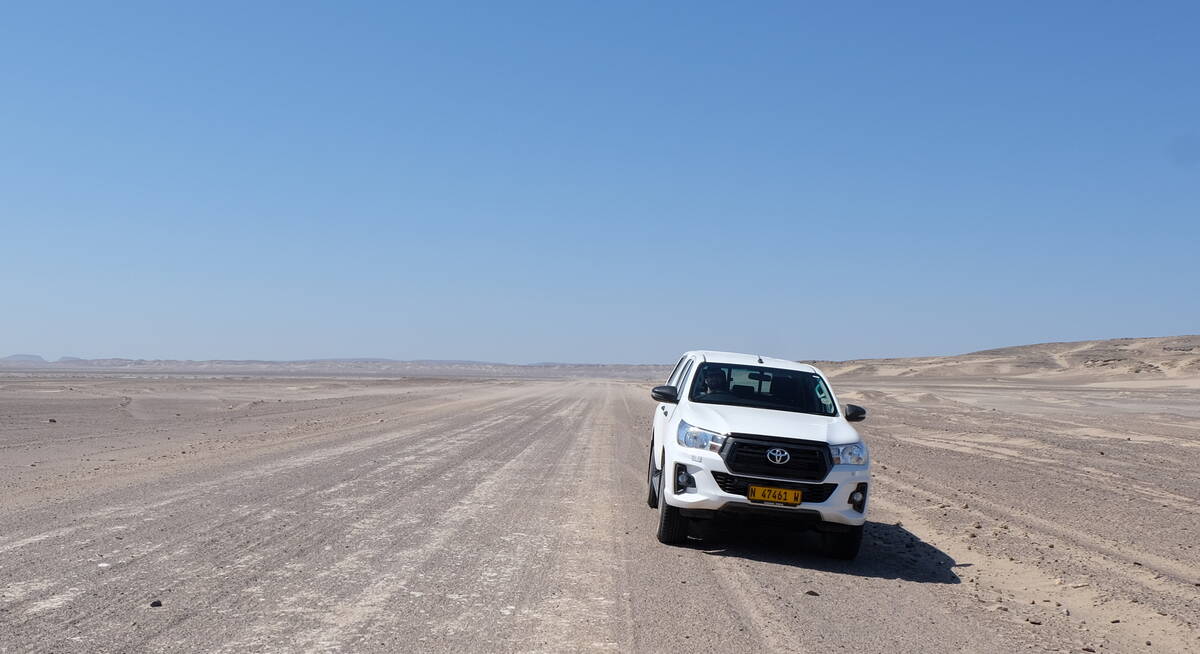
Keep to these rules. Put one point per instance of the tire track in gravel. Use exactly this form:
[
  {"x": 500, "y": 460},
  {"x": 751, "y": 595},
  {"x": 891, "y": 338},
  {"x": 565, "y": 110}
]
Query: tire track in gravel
[
  {"x": 511, "y": 516},
  {"x": 289, "y": 485}
]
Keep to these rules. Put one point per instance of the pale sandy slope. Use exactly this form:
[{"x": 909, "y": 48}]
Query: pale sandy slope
[{"x": 1174, "y": 359}]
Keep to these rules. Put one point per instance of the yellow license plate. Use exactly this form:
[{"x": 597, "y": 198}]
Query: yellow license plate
[{"x": 777, "y": 495}]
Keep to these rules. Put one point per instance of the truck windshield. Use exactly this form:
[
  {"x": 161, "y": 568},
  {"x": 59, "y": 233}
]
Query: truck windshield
[{"x": 765, "y": 388}]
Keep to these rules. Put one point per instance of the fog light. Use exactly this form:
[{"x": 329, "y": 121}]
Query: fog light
[
  {"x": 683, "y": 480},
  {"x": 858, "y": 498}
]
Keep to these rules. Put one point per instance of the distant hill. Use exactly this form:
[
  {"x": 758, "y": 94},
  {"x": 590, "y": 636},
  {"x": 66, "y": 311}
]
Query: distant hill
[
  {"x": 364, "y": 367},
  {"x": 1118, "y": 358},
  {"x": 23, "y": 358},
  {"x": 1165, "y": 358}
]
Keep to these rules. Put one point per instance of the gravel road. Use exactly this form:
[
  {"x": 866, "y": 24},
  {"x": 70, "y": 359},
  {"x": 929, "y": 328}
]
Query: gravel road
[{"x": 271, "y": 514}]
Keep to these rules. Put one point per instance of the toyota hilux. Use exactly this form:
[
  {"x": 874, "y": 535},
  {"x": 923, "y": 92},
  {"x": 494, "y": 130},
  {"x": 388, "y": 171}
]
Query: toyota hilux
[{"x": 747, "y": 436}]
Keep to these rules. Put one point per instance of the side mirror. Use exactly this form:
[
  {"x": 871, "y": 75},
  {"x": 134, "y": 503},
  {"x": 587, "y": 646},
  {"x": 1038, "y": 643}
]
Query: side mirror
[
  {"x": 855, "y": 413},
  {"x": 668, "y": 394}
]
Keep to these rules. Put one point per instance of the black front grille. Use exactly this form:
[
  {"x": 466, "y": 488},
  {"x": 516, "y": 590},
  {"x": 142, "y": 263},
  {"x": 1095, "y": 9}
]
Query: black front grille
[
  {"x": 738, "y": 485},
  {"x": 806, "y": 460}
]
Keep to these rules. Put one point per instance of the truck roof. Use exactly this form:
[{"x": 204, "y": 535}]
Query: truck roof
[{"x": 752, "y": 360}]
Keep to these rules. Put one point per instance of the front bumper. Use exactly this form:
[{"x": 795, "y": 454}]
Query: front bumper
[{"x": 707, "y": 497}]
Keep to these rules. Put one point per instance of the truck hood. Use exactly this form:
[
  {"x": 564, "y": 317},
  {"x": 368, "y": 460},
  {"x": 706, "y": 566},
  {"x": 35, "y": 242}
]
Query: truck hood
[{"x": 725, "y": 419}]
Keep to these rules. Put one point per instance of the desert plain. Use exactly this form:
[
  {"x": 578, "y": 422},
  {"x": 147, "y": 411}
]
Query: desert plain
[{"x": 1038, "y": 498}]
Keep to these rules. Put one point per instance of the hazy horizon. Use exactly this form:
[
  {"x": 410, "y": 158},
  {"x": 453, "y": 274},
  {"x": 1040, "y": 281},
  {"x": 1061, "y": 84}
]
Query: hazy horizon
[
  {"x": 50, "y": 359},
  {"x": 595, "y": 183}
]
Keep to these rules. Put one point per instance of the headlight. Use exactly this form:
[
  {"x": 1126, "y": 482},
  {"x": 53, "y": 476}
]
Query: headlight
[
  {"x": 689, "y": 436},
  {"x": 853, "y": 454}
]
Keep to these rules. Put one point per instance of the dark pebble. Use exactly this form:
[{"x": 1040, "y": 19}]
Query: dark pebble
[{"x": 155, "y": 604}]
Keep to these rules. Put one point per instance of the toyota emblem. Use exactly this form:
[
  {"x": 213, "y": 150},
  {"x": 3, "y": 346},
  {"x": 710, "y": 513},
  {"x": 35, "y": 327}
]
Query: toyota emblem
[{"x": 778, "y": 455}]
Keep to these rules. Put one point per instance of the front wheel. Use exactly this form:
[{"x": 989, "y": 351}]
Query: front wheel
[
  {"x": 672, "y": 526},
  {"x": 844, "y": 544}
]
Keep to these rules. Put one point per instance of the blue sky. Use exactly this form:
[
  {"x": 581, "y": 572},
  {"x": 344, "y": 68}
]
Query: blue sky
[{"x": 594, "y": 182}]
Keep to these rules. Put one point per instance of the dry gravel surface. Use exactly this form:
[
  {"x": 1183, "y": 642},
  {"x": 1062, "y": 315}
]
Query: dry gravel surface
[{"x": 268, "y": 514}]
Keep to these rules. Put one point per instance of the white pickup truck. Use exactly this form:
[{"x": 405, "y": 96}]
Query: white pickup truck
[{"x": 746, "y": 435}]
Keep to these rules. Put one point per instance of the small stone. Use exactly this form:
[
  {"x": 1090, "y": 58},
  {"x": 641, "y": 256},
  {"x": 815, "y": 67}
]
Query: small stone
[
  {"x": 51, "y": 420},
  {"x": 1114, "y": 621},
  {"x": 1032, "y": 621},
  {"x": 1088, "y": 649},
  {"x": 155, "y": 604},
  {"x": 812, "y": 592}
]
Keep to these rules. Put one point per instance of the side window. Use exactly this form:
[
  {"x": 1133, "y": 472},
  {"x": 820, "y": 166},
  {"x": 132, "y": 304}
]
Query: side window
[
  {"x": 683, "y": 375},
  {"x": 823, "y": 395},
  {"x": 740, "y": 377},
  {"x": 671, "y": 380}
]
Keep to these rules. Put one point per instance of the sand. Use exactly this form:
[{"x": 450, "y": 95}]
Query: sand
[{"x": 1052, "y": 507}]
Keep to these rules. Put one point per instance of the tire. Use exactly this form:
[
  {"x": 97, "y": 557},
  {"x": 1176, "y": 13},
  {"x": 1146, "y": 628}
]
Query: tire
[
  {"x": 844, "y": 545},
  {"x": 672, "y": 527},
  {"x": 651, "y": 481}
]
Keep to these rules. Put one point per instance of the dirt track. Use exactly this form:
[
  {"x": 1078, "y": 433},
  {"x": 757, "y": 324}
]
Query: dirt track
[{"x": 473, "y": 515}]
